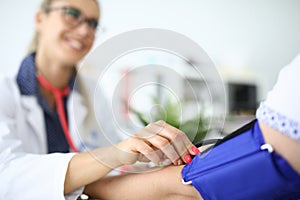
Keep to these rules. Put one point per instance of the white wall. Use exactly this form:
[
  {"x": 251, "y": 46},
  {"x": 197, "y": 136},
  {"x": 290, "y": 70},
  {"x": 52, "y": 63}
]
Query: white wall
[
  {"x": 244, "y": 37},
  {"x": 16, "y": 18}
]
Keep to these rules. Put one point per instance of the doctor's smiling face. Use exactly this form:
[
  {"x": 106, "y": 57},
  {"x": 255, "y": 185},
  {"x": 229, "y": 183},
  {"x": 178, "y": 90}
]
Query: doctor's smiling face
[{"x": 66, "y": 29}]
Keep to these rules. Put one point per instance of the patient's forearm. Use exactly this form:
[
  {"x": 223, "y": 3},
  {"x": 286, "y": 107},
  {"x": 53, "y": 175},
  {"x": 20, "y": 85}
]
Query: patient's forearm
[{"x": 162, "y": 184}]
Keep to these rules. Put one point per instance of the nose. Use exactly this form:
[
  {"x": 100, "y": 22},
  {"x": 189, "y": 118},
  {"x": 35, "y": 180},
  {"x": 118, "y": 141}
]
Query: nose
[{"x": 85, "y": 30}]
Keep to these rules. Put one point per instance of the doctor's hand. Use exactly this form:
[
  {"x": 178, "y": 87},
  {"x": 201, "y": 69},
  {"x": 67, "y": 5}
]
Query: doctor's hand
[{"x": 158, "y": 142}]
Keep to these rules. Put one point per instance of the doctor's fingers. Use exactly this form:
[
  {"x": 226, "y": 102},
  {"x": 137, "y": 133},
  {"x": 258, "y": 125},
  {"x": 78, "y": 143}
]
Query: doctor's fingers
[
  {"x": 147, "y": 152},
  {"x": 171, "y": 141},
  {"x": 163, "y": 160},
  {"x": 179, "y": 140},
  {"x": 134, "y": 149}
]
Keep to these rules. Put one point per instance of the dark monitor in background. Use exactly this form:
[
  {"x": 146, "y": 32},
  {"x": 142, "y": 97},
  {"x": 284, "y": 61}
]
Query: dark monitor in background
[{"x": 242, "y": 98}]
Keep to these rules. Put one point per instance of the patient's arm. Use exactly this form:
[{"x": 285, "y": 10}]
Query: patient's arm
[
  {"x": 285, "y": 146},
  {"x": 162, "y": 184}
]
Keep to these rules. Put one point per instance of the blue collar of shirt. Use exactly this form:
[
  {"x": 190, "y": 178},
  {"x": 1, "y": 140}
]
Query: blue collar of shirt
[{"x": 26, "y": 77}]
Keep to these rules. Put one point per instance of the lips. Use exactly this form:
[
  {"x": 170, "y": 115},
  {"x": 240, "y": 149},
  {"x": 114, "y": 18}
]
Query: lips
[{"x": 75, "y": 44}]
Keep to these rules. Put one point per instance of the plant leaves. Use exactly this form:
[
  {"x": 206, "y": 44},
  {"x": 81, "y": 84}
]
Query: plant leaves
[{"x": 195, "y": 129}]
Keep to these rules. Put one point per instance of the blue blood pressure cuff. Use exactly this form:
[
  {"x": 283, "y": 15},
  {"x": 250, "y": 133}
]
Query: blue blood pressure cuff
[{"x": 242, "y": 166}]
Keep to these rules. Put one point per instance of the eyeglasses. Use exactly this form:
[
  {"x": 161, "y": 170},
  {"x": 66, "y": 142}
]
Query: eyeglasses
[{"x": 74, "y": 17}]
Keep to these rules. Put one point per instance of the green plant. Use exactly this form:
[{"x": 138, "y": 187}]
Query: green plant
[{"x": 169, "y": 111}]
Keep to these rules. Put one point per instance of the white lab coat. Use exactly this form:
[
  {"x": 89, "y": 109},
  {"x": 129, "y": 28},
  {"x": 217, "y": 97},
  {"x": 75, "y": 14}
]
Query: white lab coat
[{"x": 26, "y": 171}]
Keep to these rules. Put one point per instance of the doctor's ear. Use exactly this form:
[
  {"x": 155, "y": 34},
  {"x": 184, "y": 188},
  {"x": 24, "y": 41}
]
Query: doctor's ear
[{"x": 38, "y": 19}]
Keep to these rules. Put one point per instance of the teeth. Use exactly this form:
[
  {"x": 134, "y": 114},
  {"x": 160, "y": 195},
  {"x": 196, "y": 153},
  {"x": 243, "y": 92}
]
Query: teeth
[{"x": 76, "y": 44}]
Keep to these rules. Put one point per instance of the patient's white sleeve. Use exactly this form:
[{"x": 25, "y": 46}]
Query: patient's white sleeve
[{"x": 281, "y": 109}]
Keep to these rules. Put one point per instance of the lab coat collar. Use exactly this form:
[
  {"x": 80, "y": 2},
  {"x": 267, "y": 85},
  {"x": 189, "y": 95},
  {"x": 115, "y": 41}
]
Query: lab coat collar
[
  {"x": 77, "y": 108},
  {"x": 35, "y": 119},
  {"x": 77, "y": 113}
]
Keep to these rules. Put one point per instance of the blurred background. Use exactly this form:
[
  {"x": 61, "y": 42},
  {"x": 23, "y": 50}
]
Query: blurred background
[{"x": 249, "y": 41}]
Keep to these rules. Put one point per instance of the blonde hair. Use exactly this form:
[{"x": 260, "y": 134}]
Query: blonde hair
[
  {"x": 44, "y": 7},
  {"x": 34, "y": 41}
]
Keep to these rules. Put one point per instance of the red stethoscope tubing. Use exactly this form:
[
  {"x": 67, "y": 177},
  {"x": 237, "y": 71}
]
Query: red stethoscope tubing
[{"x": 59, "y": 94}]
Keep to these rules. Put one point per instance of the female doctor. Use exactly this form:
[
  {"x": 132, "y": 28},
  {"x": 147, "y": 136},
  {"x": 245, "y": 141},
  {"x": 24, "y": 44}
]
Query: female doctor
[{"x": 39, "y": 128}]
